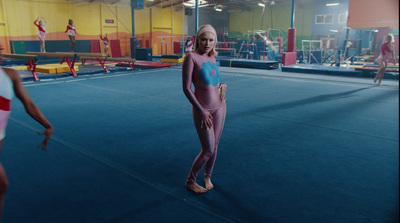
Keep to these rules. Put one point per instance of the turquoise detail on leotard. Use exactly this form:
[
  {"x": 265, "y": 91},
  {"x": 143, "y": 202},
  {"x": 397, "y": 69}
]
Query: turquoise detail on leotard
[{"x": 210, "y": 73}]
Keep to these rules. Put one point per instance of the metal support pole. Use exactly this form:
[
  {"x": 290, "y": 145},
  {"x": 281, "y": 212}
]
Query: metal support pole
[
  {"x": 262, "y": 17},
  {"x": 196, "y": 16},
  {"x": 133, "y": 40},
  {"x": 292, "y": 18}
]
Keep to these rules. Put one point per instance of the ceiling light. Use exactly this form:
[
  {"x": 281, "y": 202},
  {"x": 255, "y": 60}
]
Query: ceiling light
[
  {"x": 332, "y": 4},
  {"x": 218, "y": 8},
  {"x": 333, "y": 30},
  {"x": 261, "y": 4},
  {"x": 192, "y": 3},
  {"x": 272, "y": 3}
]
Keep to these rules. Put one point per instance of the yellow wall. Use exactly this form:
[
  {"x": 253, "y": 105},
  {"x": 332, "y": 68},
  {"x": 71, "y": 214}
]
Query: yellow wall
[
  {"x": 244, "y": 21},
  {"x": 163, "y": 28},
  {"x": 17, "y": 17}
]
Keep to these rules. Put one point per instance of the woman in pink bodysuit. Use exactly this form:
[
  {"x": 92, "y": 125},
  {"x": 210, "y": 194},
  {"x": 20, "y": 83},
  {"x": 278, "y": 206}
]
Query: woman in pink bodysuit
[
  {"x": 208, "y": 103},
  {"x": 42, "y": 32},
  {"x": 10, "y": 84},
  {"x": 386, "y": 53}
]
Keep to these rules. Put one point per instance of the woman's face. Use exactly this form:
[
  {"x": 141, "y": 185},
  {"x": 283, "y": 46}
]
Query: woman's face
[
  {"x": 71, "y": 22},
  {"x": 389, "y": 39},
  {"x": 40, "y": 23},
  {"x": 206, "y": 42}
]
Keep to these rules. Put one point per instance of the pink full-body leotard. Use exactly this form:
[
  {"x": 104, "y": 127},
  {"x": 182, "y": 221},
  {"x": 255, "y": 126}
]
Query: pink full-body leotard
[{"x": 203, "y": 72}]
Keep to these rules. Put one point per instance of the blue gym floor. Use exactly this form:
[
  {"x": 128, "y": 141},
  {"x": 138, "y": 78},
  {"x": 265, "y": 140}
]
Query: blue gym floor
[{"x": 295, "y": 148}]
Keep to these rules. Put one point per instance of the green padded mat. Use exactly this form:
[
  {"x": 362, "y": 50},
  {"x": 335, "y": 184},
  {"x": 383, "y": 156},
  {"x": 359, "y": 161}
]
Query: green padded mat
[{"x": 19, "y": 47}]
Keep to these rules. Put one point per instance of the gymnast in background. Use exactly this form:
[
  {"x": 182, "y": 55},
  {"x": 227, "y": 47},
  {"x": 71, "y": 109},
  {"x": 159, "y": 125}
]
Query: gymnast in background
[
  {"x": 42, "y": 32},
  {"x": 189, "y": 44},
  {"x": 105, "y": 41},
  {"x": 71, "y": 33},
  {"x": 386, "y": 53},
  {"x": 268, "y": 42}
]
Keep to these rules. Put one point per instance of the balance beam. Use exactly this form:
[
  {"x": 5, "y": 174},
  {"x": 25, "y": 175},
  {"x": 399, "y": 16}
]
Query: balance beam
[
  {"x": 57, "y": 54},
  {"x": 32, "y": 59},
  {"x": 376, "y": 69},
  {"x": 64, "y": 56},
  {"x": 93, "y": 54},
  {"x": 225, "y": 49},
  {"x": 130, "y": 61}
]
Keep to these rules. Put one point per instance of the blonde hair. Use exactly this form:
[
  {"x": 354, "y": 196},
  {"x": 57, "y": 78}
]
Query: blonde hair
[
  {"x": 391, "y": 36},
  {"x": 203, "y": 29}
]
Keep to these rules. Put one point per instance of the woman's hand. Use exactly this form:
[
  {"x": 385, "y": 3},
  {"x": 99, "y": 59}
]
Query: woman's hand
[
  {"x": 206, "y": 122},
  {"x": 222, "y": 90},
  {"x": 47, "y": 133}
]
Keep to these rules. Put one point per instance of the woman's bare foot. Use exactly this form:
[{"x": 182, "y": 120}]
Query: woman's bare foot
[
  {"x": 209, "y": 185},
  {"x": 196, "y": 188}
]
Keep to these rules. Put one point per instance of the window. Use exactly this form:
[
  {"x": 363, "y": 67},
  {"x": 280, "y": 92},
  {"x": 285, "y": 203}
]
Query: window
[
  {"x": 319, "y": 19},
  {"x": 324, "y": 19},
  {"x": 343, "y": 18}
]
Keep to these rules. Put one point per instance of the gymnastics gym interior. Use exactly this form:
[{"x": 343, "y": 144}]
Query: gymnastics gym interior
[{"x": 308, "y": 136}]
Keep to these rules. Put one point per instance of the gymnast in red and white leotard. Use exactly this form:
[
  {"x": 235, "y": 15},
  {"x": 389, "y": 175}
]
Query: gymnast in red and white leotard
[
  {"x": 189, "y": 44},
  {"x": 208, "y": 103},
  {"x": 387, "y": 52},
  {"x": 71, "y": 33},
  {"x": 42, "y": 32},
  {"x": 10, "y": 83},
  {"x": 268, "y": 42},
  {"x": 105, "y": 41}
]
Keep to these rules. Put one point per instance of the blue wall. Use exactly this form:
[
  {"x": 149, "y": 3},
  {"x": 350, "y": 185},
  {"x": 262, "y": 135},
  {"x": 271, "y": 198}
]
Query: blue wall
[
  {"x": 320, "y": 8},
  {"x": 219, "y": 20}
]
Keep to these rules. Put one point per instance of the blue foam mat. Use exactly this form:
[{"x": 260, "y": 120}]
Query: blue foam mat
[
  {"x": 243, "y": 63},
  {"x": 312, "y": 151},
  {"x": 333, "y": 70}
]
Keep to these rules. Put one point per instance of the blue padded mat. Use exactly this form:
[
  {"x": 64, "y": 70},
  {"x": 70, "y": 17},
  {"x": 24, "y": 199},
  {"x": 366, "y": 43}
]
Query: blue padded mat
[
  {"x": 243, "y": 63},
  {"x": 33, "y": 46},
  {"x": 292, "y": 150},
  {"x": 172, "y": 56},
  {"x": 82, "y": 46},
  {"x": 321, "y": 69}
]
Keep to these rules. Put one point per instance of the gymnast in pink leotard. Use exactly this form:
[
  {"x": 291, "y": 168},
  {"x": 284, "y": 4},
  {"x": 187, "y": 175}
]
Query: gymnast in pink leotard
[
  {"x": 208, "y": 103},
  {"x": 10, "y": 84},
  {"x": 42, "y": 32}
]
